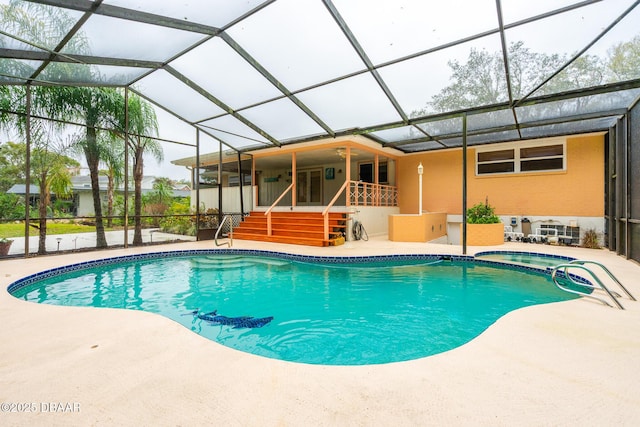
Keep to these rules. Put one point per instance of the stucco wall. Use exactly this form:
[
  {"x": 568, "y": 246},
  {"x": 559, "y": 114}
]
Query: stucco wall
[
  {"x": 576, "y": 192},
  {"x": 417, "y": 228}
]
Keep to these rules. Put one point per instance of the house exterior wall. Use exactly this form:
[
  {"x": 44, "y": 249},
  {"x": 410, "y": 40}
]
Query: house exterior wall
[
  {"x": 572, "y": 196},
  {"x": 230, "y": 199},
  {"x": 576, "y": 192},
  {"x": 85, "y": 204}
]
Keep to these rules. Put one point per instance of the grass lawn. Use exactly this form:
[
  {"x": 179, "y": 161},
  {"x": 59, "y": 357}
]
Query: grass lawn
[{"x": 17, "y": 229}]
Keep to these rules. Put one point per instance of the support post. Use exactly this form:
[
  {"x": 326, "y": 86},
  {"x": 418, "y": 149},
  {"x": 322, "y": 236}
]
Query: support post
[
  {"x": 240, "y": 179},
  {"x": 294, "y": 180},
  {"x": 464, "y": 184},
  {"x": 27, "y": 187},
  {"x": 125, "y": 229},
  {"x": 420, "y": 171},
  {"x": 196, "y": 181},
  {"x": 220, "y": 216}
]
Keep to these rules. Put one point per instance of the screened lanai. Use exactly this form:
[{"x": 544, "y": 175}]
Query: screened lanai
[{"x": 413, "y": 75}]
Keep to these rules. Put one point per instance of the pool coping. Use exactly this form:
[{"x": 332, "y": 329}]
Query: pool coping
[
  {"x": 541, "y": 364},
  {"x": 32, "y": 278}
]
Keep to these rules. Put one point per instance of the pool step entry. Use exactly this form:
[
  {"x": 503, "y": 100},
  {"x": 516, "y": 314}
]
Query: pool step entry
[
  {"x": 233, "y": 262},
  {"x": 562, "y": 277},
  {"x": 299, "y": 228}
]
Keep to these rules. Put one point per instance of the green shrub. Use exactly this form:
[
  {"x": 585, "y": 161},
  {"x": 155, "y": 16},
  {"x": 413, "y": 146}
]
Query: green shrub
[{"x": 482, "y": 213}]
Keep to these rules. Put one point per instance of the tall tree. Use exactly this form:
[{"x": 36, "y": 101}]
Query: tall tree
[
  {"x": 111, "y": 156},
  {"x": 624, "y": 60},
  {"x": 12, "y": 164},
  {"x": 113, "y": 161},
  {"x": 50, "y": 169},
  {"x": 46, "y": 26},
  {"x": 143, "y": 127},
  {"x": 96, "y": 107},
  {"x": 481, "y": 80}
]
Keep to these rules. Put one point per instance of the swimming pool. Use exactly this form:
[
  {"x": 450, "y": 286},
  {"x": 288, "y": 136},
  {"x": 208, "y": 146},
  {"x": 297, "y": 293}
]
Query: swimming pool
[{"x": 335, "y": 311}]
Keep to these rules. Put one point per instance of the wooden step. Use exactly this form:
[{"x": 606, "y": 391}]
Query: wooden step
[
  {"x": 294, "y": 240},
  {"x": 297, "y": 223},
  {"x": 319, "y": 234},
  {"x": 300, "y": 228}
]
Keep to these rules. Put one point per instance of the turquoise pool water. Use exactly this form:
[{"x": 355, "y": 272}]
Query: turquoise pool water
[{"x": 336, "y": 313}]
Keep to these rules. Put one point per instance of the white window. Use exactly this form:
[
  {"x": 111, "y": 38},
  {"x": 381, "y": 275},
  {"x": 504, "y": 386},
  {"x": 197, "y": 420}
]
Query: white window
[{"x": 532, "y": 156}]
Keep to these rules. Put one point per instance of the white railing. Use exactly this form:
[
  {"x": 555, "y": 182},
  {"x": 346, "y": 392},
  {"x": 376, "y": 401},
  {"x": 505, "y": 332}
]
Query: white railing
[{"x": 369, "y": 194}]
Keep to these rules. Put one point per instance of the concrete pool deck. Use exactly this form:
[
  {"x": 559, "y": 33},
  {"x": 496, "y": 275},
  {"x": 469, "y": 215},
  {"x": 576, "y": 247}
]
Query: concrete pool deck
[{"x": 562, "y": 364}]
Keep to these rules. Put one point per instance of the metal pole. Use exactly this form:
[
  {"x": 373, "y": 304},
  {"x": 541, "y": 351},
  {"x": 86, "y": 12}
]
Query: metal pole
[
  {"x": 464, "y": 184},
  {"x": 240, "y": 183},
  {"x": 627, "y": 187},
  {"x": 27, "y": 187},
  {"x": 294, "y": 179},
  {"x": 420, "y": 169},
  {"x": 220, "y": 184},
  {"x": 196, "y": 181},
  {"x": 126, "y": 167}
]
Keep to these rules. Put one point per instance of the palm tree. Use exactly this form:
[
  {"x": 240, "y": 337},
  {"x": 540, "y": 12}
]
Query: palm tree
[
  {"x": 143, "y": 126},
  {"x": 46, "y": 26},
  {"x": 50, "y": 169},
  {"x": 96, "y": 107},
  {"x": 112, "y": 158}
]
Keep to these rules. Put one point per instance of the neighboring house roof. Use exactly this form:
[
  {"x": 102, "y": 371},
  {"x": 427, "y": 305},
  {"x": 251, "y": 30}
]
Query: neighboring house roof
[
  {"x": 213, "y": 158},
  {"x": 83, "y": 183},
  {"x": 22, "y": 189}
]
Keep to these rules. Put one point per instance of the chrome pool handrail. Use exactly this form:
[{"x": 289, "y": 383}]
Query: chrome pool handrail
[
  {"x": 229, "y": 243},
  {"x": 609, "y": 273},
  {"x": 567, "y": 266}
]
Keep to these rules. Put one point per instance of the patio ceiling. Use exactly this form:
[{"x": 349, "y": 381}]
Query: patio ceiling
[{"x": 269, "y": 73}]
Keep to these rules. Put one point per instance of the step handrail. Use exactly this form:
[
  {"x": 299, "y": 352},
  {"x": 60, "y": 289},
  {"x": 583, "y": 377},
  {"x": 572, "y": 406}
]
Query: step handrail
[
  {"x": 229, "y": 243},
  {"x": 567, "y": 266},
  {"x": 268, "y": 211},
  {"x": 325, "y": 212},
  {"x": 609, "y": 273}
]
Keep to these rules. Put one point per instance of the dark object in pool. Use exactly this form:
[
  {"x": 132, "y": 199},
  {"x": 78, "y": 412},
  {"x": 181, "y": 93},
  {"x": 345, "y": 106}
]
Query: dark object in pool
[{"x": 236, "y": 322}]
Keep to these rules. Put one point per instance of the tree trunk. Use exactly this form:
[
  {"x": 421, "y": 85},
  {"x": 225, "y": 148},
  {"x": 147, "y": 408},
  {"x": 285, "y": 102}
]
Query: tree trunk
[
  {"x": 137, "y": 177},
  {"x": 110, "y": 190},
  {"x": 42, "y": 213},
  {"x": 93, "y": 160}
]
